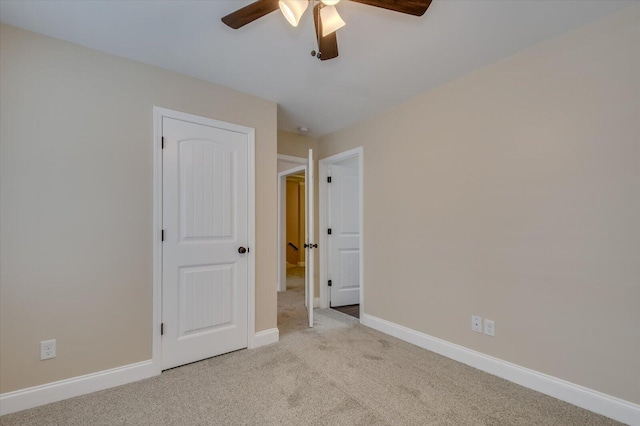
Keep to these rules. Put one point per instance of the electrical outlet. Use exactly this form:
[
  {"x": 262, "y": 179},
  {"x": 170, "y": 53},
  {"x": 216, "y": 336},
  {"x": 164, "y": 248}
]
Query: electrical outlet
[
  {"x": 47, "y": 349},
  {"x": 489, "y": 327},
  {"x": 476, "y": 323}
]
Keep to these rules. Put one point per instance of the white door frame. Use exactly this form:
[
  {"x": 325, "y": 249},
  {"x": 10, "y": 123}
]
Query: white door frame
[
  {"x": 282, "y": 215},
  {"x": 323, "y": 166},
  {"x": 158, "y": 115}
]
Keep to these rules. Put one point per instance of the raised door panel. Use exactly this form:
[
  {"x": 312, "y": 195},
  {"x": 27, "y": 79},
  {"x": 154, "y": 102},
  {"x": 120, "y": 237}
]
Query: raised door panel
[
  {"x": 206, "y": 296},
  {"x": 207, "y": 207}
]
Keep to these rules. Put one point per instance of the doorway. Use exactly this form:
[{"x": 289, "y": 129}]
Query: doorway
[
  {"x": 288, "y": 166},
  {"x": 292, "y": 218},
  {"x": 341, "y": 232}
]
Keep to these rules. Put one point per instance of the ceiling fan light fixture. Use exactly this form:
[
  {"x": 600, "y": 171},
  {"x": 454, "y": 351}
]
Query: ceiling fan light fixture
[
  {"x": 330, "y": 2},
  {"x": 293, "y": 10},
  {"x": 331, "y": 20}
]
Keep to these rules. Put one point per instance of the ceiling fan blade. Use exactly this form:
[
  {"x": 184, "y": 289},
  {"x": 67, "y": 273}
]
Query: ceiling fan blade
[
  {"x": 327, "y": 45},
  {"x": 250, "y": 13},
  {"x": 411, "y": 7}
]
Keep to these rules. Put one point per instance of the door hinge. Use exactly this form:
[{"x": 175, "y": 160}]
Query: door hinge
[
  {"x": 162, "y": 235},
  {"x": 329, "y": 231},
  {"x": 329, "y": 283},
  {"x": 329, "y": 179},
  {"x": 162, "y": 329},
  {"x": 162, "y": 142}
]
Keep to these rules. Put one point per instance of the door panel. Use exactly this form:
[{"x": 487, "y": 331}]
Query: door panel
[
  {"x": 348, "y": 271},
  {"x": 205, "y": 221},
  {"x": 206, "y": 180},
  {"x": 205, "y": 298},
  {"x": 344, "y": 241},
  {"x": 348, "y": 204}
]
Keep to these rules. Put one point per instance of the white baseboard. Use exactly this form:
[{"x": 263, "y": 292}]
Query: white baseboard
[
  {"x": 606, "y": 405},
  {"x": 22, "y": 399},
  {"x": 265, "y": 337},
  {"x": 316, "y": 302},
  {"x": 301, "y": 263}
]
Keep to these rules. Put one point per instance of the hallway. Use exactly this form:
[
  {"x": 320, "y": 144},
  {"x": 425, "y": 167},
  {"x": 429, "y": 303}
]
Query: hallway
[{"x": 292, "y": 315}]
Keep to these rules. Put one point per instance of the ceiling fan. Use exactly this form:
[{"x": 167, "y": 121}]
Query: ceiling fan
[{"x": 325, "y": 16}]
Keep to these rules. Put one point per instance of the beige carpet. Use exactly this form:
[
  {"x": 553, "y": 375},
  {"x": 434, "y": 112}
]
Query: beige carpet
[
  {"x": 292, "y": 314},
  {"x": 339, "y": 373}
]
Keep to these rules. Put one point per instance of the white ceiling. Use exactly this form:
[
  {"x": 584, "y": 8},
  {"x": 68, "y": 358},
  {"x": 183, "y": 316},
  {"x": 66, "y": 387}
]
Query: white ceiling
[{"x": 385, "y": 57}]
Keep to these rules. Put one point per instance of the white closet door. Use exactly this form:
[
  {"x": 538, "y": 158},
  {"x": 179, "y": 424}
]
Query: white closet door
[{"x": 205, "y": 258}]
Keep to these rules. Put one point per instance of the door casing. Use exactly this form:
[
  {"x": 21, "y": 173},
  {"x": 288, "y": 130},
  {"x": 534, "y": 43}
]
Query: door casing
[
  {"x": 323, "y": 166},
  {"x": 158, "y": 115}
]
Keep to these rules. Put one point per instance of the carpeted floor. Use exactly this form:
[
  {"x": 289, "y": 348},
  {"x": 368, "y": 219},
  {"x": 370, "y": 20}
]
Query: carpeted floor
[
  {"x": 292, "y": 314},
  {"x": 338, "y": 373}
]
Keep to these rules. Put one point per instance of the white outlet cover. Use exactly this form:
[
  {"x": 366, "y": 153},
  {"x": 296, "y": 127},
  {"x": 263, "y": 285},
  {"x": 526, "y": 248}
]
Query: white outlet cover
[
  {"x": 489, "y": 327},
  {"x": 47, "y": 349},
  {"x": 476, "y": 323}
]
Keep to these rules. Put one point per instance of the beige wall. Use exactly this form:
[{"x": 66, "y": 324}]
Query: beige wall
[
  {"x": 514, "y": 194},
  {"x": 76, "y": 203},
  {"x": 295, "y": 145}
]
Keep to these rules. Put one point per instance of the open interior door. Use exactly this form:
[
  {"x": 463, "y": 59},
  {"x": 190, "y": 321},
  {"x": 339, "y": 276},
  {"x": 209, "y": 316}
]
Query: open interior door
[
  {"x": 344, "y": 239},
  {"x": 310, "y": 245}
]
